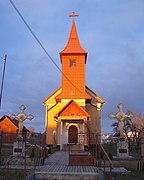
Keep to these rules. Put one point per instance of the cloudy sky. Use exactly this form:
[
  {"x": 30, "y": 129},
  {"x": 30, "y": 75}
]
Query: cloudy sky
[{"x": 112, "y": 31}]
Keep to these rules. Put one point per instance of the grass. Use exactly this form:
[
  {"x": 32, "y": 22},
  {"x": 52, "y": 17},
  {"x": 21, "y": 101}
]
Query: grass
[
  {"x": 14, "y": 174},
  {"x": 134, "y": 175},
  {"x": 111, "y": 150}
]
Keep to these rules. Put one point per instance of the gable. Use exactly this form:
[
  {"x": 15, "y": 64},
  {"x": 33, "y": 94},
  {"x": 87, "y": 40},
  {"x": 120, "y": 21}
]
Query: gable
[
  {"x": 72, "y": 109},
  {"x": 7, "y": 124}
]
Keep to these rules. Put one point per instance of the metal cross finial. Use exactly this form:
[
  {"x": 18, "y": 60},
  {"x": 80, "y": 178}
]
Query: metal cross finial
[
  {"x": 120, "y": 116},
  {"x": 73, "y": 15}
]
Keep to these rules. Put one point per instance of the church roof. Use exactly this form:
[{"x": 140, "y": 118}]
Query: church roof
[
  {"x": 73, "y": 45},
  {"x": 88, "y": 90},
  {"x": 92, "y": 94},
  {"x": 71, "y": 109},
  {"x": 44, "y": 101}
]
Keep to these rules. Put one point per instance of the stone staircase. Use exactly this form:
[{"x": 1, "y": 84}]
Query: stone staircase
[
  {"x": 65, "y": 176},
  {"x": 57, "y": 167},
  {"x": 73, "y": 147}
]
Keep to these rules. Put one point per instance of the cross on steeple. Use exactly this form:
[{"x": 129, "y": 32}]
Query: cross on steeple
[{"x": 73, "y": 15}]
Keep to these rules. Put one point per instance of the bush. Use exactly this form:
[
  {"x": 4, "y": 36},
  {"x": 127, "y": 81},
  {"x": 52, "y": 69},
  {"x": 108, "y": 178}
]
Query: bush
[{"x": 32, "y": 153}]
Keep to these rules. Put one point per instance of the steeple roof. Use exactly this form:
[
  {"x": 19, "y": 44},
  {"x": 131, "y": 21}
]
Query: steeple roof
[{"x": 73, "y": 45}]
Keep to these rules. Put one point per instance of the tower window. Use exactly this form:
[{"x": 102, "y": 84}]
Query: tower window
[{"x": 72, "y": 63}]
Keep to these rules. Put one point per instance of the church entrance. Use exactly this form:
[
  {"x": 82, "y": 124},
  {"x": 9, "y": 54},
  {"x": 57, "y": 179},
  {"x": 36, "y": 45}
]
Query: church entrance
[{"x": 73, "y": 134}]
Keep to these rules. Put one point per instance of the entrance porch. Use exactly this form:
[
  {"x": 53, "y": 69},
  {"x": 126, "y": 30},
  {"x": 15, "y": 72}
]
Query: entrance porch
[{"x": 72, "y": 133}]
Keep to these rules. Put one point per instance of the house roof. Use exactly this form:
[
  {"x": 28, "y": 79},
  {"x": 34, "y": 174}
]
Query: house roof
[
  {"x": 14, "y": 121},
  {"x": 71, "y": 109},
  {"x": 73, "y": 45}
]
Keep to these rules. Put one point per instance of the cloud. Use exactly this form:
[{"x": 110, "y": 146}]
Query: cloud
[{"x": 111, "y": 32}]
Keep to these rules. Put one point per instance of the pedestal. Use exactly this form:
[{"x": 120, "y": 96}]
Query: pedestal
[
  {"x": 18, "y": 148},
  {"x": 122, "y": 148}
]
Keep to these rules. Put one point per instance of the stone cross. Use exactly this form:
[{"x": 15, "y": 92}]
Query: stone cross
[
  {"x": 21, "y": 116},
  {"x": 120, "y": 116}
]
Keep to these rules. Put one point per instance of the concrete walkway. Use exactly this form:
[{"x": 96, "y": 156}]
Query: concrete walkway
[
  {"x": 58, "y": 162},
  {"x": 56, "y": 167}
]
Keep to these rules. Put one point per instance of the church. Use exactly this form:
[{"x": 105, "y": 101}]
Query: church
[{"x": 73, "y": 111}]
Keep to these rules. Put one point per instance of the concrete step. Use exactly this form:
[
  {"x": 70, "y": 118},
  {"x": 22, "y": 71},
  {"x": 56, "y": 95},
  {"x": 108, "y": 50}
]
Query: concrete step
[
  {"x": 74, "y": 147},
  {"x": 65, "y": 176}
]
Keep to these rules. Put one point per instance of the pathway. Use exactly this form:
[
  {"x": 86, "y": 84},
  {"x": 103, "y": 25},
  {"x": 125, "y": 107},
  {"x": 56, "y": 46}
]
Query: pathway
[{"x": 58, "y": 163}]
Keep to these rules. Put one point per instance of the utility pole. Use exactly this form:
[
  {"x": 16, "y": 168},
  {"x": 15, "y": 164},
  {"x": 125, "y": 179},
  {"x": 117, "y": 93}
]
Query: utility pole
[{"x": 2, "y": 81}]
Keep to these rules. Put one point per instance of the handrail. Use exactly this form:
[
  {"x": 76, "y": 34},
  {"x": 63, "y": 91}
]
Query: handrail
[
  {"x": 14, "y": 157},
  {"x": 24, "y": 152},
  {"x": 110, "y": 162}
]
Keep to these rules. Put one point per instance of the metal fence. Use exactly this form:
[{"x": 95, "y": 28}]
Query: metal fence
[{"x": 7, "y": 142}]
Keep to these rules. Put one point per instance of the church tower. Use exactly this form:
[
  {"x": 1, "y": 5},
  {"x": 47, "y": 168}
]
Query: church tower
[
  {"x": 73, "y": 111},
  {"x": 73, "y": 58}
]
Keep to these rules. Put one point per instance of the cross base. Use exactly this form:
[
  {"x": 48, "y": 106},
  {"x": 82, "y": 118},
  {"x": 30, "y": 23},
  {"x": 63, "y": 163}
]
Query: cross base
[
  {"x": 122, "y": 148},
  {"x": 19, "y": 139},
  {"x": 18, "y": 148}
]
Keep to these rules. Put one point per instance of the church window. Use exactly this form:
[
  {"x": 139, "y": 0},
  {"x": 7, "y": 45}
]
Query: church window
[{"x": 72, "y": 63}]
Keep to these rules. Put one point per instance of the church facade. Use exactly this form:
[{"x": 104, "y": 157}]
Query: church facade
[{"x": 73, "y": 111}]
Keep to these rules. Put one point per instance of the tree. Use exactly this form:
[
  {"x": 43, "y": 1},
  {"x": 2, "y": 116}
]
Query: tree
[
  {"x": 116, "y": 131},
  {"x": 135, "y": 125}
]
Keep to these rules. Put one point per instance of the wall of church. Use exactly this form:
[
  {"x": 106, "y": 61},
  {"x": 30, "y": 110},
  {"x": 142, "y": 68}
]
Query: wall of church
[
  {"x": 51, "y": 124},
  {"x": 94, "y": 123}
]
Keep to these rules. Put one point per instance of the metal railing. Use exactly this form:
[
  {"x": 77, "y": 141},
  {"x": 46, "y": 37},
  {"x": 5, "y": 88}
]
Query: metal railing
[
  {"x": 106, "y": 158},
  {"x": 94, "y": 148},
  {"x": 22, "y": 154}
]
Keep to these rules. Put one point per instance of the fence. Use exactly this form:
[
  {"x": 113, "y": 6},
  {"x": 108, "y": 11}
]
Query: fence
[
  {"x": 33, "y": 154},
  {"x": 7, "y": 140},
  {"x": 88, "y": 151}
]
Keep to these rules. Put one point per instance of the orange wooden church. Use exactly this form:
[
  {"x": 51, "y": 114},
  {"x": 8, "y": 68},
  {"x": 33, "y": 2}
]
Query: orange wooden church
[{"x": 73, "y": 110}]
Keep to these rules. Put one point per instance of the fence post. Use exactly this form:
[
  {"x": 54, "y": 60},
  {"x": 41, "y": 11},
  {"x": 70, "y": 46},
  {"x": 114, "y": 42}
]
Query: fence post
[
  {"x": 35, "y": 156},
  {"x": 0, "y": 148},
  {"x": 43, "y": 146},
  {"x": 25, "y": 165}
]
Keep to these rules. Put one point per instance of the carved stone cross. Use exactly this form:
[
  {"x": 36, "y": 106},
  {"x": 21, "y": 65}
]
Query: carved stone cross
[
  {"x": 120, "y": 116},
  {"x": 21, "y": 116}
]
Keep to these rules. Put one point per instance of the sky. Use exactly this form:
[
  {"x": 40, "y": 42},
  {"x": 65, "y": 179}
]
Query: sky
[{"x": 111, "y": 31}]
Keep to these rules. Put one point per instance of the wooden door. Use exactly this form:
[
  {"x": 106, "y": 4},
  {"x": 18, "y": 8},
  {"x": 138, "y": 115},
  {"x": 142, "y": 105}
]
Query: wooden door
[{"x": 73, "y": 134}]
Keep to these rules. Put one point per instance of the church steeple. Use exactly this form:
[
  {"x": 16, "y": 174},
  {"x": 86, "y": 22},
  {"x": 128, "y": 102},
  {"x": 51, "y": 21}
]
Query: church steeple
[
  {"x": 73, "y": 59},
  {"x": 73, "y": 45}
]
